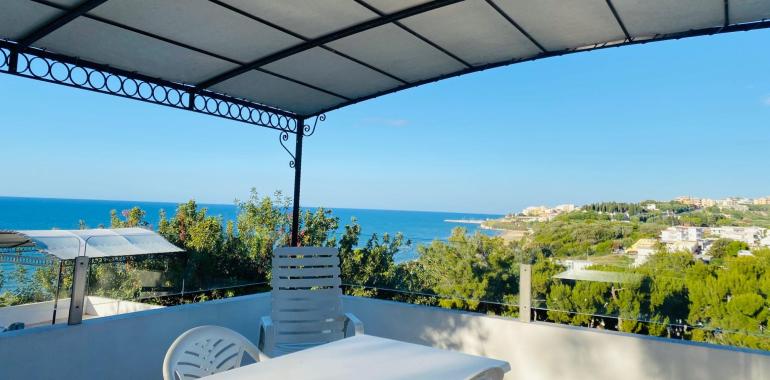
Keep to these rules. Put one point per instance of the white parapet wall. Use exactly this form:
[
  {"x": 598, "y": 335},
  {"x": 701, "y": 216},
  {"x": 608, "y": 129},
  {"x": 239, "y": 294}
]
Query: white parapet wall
[
  {"x": 124, "y": 346},
  {"x": 132, "y": 346},
  {"x": 41, "y": 313},
  {"x": 545, "y": 351}
]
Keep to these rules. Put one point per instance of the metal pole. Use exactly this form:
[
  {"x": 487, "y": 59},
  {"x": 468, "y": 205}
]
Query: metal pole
[
  {"x": 58, "y": 288},
  {"x": 297, "y": 178},
  {"x": 78, "y": 295},
  {"x": 525, "y": 293}
]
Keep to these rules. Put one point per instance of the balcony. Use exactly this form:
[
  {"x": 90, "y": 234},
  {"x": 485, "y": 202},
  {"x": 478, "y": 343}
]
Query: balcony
[{"x": 132, "y": 345}]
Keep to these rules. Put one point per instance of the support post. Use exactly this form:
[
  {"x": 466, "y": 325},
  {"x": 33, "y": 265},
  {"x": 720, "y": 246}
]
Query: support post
[
  {"x": 297, "y": 180},
  {"x": 58, "y": 288},
  {"x": 78, "y": 295},
  {"x": 525, "y": 293}
]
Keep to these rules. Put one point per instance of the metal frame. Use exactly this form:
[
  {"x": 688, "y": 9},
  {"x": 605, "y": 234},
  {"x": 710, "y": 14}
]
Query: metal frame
[
  {"x": 45, "y": 66},
  {"x": 20, "y": 59},
  {"x": 33, "y": 63}
]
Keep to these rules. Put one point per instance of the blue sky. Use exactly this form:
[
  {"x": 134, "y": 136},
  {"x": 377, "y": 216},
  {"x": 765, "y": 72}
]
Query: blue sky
[{"x": 648, "y": 121}]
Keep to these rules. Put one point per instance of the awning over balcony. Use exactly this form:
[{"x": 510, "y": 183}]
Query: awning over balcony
[
  {"x": 94, "y": 243},
  {"x": 307, "y": 57}
]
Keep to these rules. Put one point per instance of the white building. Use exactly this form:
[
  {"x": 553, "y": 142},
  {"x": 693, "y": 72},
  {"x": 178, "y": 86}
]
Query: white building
[
  {"x": 642, "y": 250},
  {"x": 684, "y": 246},
  {"x": 565, "y": 208},
  {"x": 748, "y": 235},
  {"x": 677, "y": 234}
]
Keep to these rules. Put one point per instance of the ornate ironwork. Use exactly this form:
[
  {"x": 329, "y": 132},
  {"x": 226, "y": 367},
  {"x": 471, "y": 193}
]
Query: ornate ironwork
[
  {"x": 49, "y": 67},
  {"x": 307, "y": 130},
  {"x": 282, "y": 138}
]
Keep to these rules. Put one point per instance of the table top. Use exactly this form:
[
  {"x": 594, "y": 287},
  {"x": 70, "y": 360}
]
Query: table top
[{"x": 369, "y": 357}]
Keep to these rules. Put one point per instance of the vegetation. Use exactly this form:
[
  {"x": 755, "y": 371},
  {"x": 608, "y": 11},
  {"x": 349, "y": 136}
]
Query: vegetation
[{"x": 672, "y": 295}]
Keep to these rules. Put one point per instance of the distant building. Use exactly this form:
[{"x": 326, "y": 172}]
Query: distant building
[
  {"x": 543, "y": 213},
  {"x": 738, "y": 204},
  {"x": 535, "y": 211},
  {"x": 684, "y": 246},
  {"x": 688, "y": 200},
  {"x": 689, "y": 239},
  {"x": 677, "y": 234},
  {"x": 565, "y": 208},
  {"x": 642, "y": 250},
  {"x": 762, "y": 201},
  {"x": 697, "y": 202},
  {"x": 651, "y": 207},
  {"x": 749, "y": 235}
]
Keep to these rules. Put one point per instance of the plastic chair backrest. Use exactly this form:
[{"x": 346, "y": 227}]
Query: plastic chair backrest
[
  {"x": 204, "y": 351},
  {"x": 306, "y": 303}
]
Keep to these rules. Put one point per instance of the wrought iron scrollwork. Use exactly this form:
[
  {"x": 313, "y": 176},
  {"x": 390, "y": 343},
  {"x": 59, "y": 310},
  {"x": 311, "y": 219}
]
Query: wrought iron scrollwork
[
  {"x": 49, "y": 67},
  {"x": 307, "y": 130},
  {"x": 282, "y": 138}
]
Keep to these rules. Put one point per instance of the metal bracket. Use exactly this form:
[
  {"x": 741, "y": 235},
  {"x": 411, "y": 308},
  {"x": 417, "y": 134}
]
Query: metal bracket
[{"x": 78, "y": 295}]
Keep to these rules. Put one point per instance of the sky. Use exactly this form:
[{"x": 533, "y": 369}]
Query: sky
[{"x": 655, "y": 121}]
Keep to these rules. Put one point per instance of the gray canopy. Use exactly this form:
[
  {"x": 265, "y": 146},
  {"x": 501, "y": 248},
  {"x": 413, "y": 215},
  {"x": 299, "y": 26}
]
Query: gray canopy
[{"x": 308, "y": 57}]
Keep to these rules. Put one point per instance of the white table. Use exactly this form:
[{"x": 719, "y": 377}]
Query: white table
[{"x": 368, "y": 357}]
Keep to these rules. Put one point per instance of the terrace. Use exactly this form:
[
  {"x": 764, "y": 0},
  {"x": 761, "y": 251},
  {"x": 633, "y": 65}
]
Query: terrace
[
  {"x": 309, "y": 60},
  {"x": 132, "y": 346}
]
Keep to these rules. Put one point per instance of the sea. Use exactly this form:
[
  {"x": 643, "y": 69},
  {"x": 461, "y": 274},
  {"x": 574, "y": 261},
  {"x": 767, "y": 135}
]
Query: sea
[{"x": 419, "y": 227}]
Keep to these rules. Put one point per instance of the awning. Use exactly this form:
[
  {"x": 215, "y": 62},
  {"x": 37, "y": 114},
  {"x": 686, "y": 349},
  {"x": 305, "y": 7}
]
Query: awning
[
  {"x": 308, "y": 57},
  {"x": 597, "y": 276},
  {"x": 68, "y": 244}
]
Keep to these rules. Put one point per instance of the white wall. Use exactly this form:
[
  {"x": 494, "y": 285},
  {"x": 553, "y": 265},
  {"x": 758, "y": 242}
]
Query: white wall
[
  {"x": 40, "y": 313},
  {"x": 126, "y": 346},
  {"x": 132, "y": 346},
  {"x": 103, "y": 306},
  {"x": 544, "y": 351}
]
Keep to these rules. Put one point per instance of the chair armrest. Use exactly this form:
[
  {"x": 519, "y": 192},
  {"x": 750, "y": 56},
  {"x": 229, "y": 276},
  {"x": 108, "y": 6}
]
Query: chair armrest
[
  {"x": 358, "y": 326},
  {"x": 267, "y": 336}
]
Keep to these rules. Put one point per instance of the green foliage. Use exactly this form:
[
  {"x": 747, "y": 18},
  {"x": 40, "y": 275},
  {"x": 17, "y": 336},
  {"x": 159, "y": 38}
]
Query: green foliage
[
  {"x": 563, "y": 237},
  {"x": 616, "y": 208},
  {"x": 672, "y": 295},
  {"x": 132, "y": 218},
  {"x": 364, "y": 269},
  {"x": 724, "y": 248}
]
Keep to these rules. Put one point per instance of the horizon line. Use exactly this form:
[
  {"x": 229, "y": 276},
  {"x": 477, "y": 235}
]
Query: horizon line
[{"x": 235, "y": 205}]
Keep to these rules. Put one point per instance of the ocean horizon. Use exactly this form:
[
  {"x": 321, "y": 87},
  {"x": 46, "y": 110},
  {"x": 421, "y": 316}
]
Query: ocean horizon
[{"x": 419, "y": 227}]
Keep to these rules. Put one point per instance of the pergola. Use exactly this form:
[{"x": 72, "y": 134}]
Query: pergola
[
  {"x": 282, "y": 64},
  {"x": 79, "y": 247}
]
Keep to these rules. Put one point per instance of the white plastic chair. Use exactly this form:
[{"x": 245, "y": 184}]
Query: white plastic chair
[
  {"x": 204, "y": 351},
  {"x": 306, "y": 304},
  {"x": 489, "y": 374}
]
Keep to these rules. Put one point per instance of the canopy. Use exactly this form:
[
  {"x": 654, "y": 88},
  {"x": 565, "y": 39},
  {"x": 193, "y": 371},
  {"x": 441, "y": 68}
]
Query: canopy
[
  {"x": 597, "y": 276},
  {"x": 68, "y": 244},
  {"x": 308, "y": 57}
]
